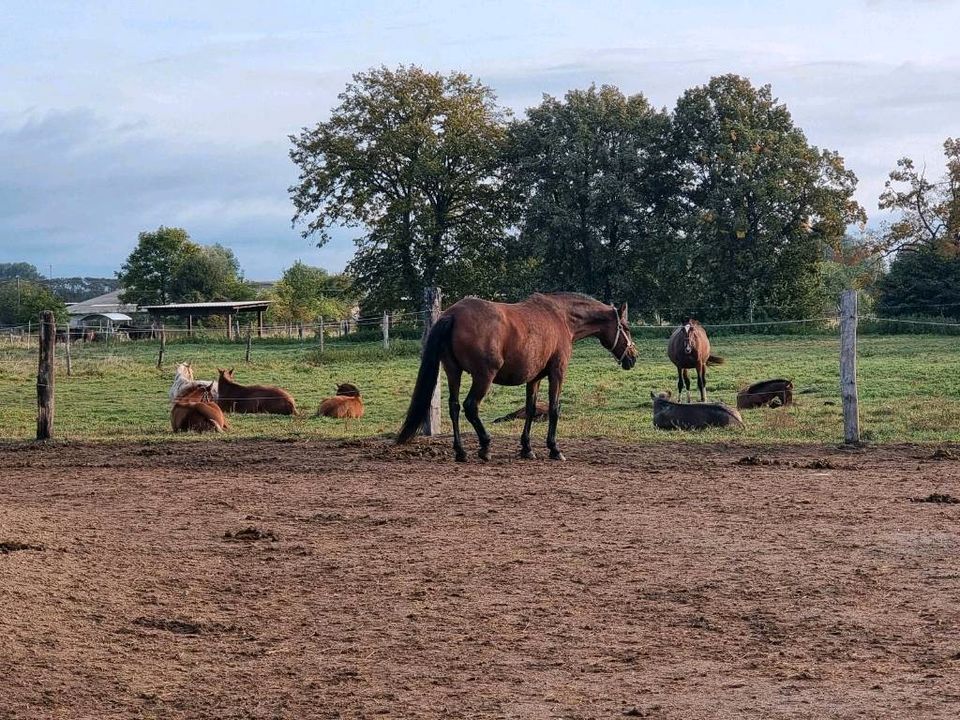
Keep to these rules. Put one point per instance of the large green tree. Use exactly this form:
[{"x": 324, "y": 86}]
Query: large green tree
[
  {"x": 148, "y": 274},
  {"x": 591, "y": 171},
  {"x": 414, "y": 159},
  {"x": 167, "y": 266},
  {"x": 757, "y": 203},
  {"x": 208, "y": 273}
]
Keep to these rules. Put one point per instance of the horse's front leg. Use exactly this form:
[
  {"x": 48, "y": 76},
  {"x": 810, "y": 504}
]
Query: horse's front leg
[
  {"x": 702, "y": 381},
  {"x": 556, "y": 383},
  {"x": 453, "y": 382},
  {"x": 686, "y": 381},
  {"x": 531, "y": 409},
  {"x": 471, "y": 408}
]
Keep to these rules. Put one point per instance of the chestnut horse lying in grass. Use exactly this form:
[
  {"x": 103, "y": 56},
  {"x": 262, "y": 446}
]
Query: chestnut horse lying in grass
[
  {"x": 195, "y": 410},
  {"x": 512, "y": 344},
  {"x": 233, "y": 397},
  {"x": 347, "y": 403},
  {"x": 689, "y": 347}
]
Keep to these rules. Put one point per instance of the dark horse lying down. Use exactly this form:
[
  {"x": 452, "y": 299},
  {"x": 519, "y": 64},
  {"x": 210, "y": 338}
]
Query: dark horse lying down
[
  {"x": 512, "y": 344},
  {"x": 669, "y": 415}
]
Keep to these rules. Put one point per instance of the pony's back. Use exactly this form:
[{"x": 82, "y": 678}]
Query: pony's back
[{"x": 341, "y": 406}]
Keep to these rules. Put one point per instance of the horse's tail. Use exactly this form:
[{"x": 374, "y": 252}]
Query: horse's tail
[
  {"x": 427, "y": 378},
  {"x": 715, "y": 360}
]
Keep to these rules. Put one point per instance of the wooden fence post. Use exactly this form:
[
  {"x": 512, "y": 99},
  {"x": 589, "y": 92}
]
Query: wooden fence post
[
  {"x": 45, "y": 375},
  {"x": 848, "y": 366},
  {"x": 322, "y": 333},
  {"x": 431, "y": 307},
  {"x": 385, "y": 326},
  {"x": 163, "y": 346},
  {"x": 249, "y": 339}
]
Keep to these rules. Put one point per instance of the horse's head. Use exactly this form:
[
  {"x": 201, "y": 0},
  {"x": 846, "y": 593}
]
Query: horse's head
[
  {"x": 348, "y": 389},
  {"x": 225, "y": 374},
  {"x": 185, "y": 371},
  {"x": 688, "y": 335},
  {"x": 618, "y": 339}
]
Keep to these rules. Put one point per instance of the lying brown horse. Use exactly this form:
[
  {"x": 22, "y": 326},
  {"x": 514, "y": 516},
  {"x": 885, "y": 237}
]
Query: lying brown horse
[
  {"x": 766, "y": 393},
  {"x": 689, "y": 347},
  {"x": 347, "y": 403},
  {"x": 541, "y": 413},
  {"x": 195, "y": 410},
  {"x": 512, "y": 344},
  {"x": 233, "y": 397}
]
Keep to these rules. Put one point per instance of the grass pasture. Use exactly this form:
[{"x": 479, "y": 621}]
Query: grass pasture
[{"x": 907, "y": 383}]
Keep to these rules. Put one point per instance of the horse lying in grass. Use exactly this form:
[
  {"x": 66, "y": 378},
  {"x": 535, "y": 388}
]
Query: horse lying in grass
[
  {"x": 233, "y": 397},
  {"x": 766, "y": 393},
  {"x": 540, "y": 413},
  {"x": 511, "y": 344},
  {"x": 669, "y": 415},
  {"x": 195, "y": 410},
  {"x": 347, "y": 403}
]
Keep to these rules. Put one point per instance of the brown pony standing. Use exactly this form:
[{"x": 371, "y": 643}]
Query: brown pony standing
[
  {"x": 689, "y": 347},
  {"x": 233, "y": 397},
  {"x": 196, "y": 410},
  {"x": 347, "y": 403},
  {"x": 512, "y": 344}
]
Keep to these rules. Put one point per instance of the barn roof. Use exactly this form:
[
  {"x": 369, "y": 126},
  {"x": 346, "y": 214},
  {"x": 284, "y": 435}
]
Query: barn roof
[{"x": 207, "y": 308}]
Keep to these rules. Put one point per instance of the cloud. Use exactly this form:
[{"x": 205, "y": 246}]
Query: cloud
[{"x": 77, "y": 189}]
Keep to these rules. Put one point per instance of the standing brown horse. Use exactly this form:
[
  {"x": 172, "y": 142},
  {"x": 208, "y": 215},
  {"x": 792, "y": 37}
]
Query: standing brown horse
[
  {"x": 689, "y": 347},
  {"x": 512, "y": 344}
]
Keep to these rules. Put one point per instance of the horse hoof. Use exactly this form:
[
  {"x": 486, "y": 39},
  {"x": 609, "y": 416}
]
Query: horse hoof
[
  {"x": 483, "y": 453},
  {"x": 460, "y": 457},
  {"x": 528, "y": 454},
  {"x": 557, "y": 455}
]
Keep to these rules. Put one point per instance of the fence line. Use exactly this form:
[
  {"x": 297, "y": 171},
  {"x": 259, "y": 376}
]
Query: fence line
[{"x": 874, "y": 318}]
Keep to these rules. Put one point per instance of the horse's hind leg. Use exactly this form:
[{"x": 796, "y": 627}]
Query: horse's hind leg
[
  {"x": 556, "y": 383},
  {"x": 453, "y": 382},
  {"x": 531, "y": 409},
  {"x": 685, "y": 376},
  {"x": 471, "y": 408}
]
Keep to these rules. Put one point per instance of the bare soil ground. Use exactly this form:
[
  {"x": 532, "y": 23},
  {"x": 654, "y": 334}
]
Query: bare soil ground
[{"x": 353, "y": 579}]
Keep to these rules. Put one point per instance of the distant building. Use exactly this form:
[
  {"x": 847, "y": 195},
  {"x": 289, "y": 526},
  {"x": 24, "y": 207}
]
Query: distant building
[{"x": 104, "y": 310}]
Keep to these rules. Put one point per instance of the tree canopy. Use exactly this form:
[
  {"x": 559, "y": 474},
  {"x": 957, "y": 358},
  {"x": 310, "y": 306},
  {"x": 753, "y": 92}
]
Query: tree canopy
[
  {"x": 167, "y": 266},
  {"x": 23, "y": 302},
  {"x": 22, "y": 270},
  {"x": 306, "y": 293},
  {"x": 590, "y": 171},
  {"x": 412, "y": 158},
  {"x": 757, "y": 201},
  {"x": 928, "y": 210}
]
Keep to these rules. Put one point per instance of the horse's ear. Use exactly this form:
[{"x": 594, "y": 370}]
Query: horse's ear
[
  {"x": 623, "y": 311},
  {"x": 231, "y": 371},
  {"x": 653, "y": 395}
]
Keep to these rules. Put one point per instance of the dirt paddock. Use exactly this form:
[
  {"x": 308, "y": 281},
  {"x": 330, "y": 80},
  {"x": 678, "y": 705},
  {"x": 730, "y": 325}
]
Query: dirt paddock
[{"x": 328, "y": 580}]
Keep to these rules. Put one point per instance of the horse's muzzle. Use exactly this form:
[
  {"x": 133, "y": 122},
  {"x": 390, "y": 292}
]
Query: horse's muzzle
[{"x": 628, "y": 361}]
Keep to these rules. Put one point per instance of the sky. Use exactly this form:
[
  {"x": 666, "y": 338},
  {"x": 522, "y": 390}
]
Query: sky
[{"x": 118, "y": 117}]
